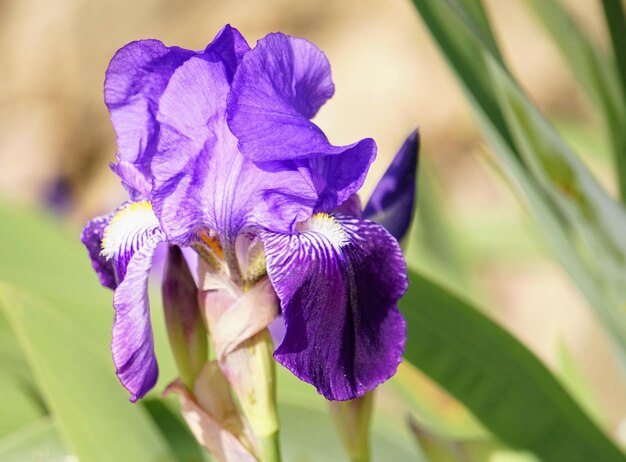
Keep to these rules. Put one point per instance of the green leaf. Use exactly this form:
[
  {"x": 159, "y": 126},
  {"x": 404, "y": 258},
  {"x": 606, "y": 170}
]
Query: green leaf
[
  {"x": 593, "y": 68},
  {"x": 577, "y": 383},
  {"x": 595, "y": 223},
  {"x": 37, "y": 441},
  {"x": 540, "y": 166},
  {"x": 92, "y": 410},
  {"x": 44, "y": 257},
  {"x": 458, "y": 30},
  {"x": 20, "y": 404},
  {"x": 506, "y": 387}
]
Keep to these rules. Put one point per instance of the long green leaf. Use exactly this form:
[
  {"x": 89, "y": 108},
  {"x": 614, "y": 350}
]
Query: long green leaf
[
  {"x": 448, "y": 23},
  {"x": 593, "y": 218},
  {"x": 568, "y": 240},
  {"x": 506, "y": 387},
  {"x": 616, "y": 21},
  {"x": 594, "y": 69},
  {"x": 90, "y": 407},
  {"x": 38, "y": 441}
]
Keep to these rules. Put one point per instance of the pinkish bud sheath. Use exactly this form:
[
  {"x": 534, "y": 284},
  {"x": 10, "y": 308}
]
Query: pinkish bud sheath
[{"x": 185, "y": 327}]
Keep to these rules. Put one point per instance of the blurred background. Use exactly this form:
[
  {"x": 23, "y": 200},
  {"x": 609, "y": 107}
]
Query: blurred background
[{"x": 56, "y": 140}]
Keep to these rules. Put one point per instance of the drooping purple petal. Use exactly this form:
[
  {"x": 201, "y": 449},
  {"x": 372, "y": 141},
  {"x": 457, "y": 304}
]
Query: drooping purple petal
[
  {"x": 338, "y": 282},
  {"x": 135, "y": 80},
  {"x": 201, "y": 179},
  {"x": 392, "y": 201},
  {"x": 130, "y": 239},
  {"x": 132, "y": 224},
  {"x": 91, "y": 237},
  {"x": 278, "y": 87},
  {"x": 132, "y": 342}
]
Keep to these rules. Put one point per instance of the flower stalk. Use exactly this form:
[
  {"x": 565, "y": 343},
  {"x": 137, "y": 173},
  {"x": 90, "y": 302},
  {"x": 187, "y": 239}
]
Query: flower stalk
[
  {"x": 252, "y": 374},
  {"x": 352, "y": 419}
]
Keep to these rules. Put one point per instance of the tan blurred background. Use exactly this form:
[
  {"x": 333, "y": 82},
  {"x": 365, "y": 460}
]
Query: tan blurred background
[{"x": 55, "y": 137}]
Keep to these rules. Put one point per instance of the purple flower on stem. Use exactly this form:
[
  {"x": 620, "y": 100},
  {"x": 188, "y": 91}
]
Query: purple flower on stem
[{"x": 217, "y": 151}]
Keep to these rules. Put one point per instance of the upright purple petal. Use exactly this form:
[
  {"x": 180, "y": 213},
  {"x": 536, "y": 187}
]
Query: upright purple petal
[
  {"x": 278, "y": 87},
  {"x": 392, "y": 201},
  {"x": 91, "y": 237},
  {"x": 135, "y": 79},
  {"x": 231, "y": 46},
  {"x": 338, "y": 282},
  {"x": 129, "y": 241},
  {"x": 281, "y": 84},
  {"x": 201, "y": 179}
]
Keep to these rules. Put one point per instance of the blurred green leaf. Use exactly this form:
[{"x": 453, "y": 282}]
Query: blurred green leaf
[
  {"x": 38, "y": 441},
  {"x": 19, "y": 405},
  {"x": 616, "y": 22},
  {"x": 575, "y": 381},
  {"x": 454, "y": 26},
  {"x": 85, "y": 398},
  {"x": 474, "y": 17},
  {"x": 46, "y": 257},
  {"x": 506, "y": 387},
  {"x": 594, "y": 221},
  {"x": 595, "y": 71},
  {"x": 41, "y": 255},
  {"x": 576, "y": 222}
]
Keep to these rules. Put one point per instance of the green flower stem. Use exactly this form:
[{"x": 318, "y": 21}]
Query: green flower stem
[
  {"x": 352, "y": 420},
  {"x": 270, "y": 447},
  {"x": 256, "y": 389}
]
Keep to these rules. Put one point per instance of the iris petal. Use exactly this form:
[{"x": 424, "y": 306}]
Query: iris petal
[
  {"x": 281, "y": 84},
  {"x": 135, "y": 80},
  {"x": 91, "y": 237},
  {"x": 201, "y": 179},
  {"x": 231, "y": 46},
  {"x": 338, "y": 282},
  {"x": 130, "y": 240},
  {"x": 278, "y": 87},
  {"x": 132, "y": 343},
  {"x": 127, "y": 231}
]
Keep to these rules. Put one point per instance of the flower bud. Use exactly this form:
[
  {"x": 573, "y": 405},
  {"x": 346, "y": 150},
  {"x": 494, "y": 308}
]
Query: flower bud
[
  {"x": 185, "y": 327},
  {"x": 393, "y": 201}
]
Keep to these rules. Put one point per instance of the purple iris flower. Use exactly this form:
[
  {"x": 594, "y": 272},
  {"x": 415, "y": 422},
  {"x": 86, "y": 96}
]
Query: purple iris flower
[{"x": 218, "y": 153}]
